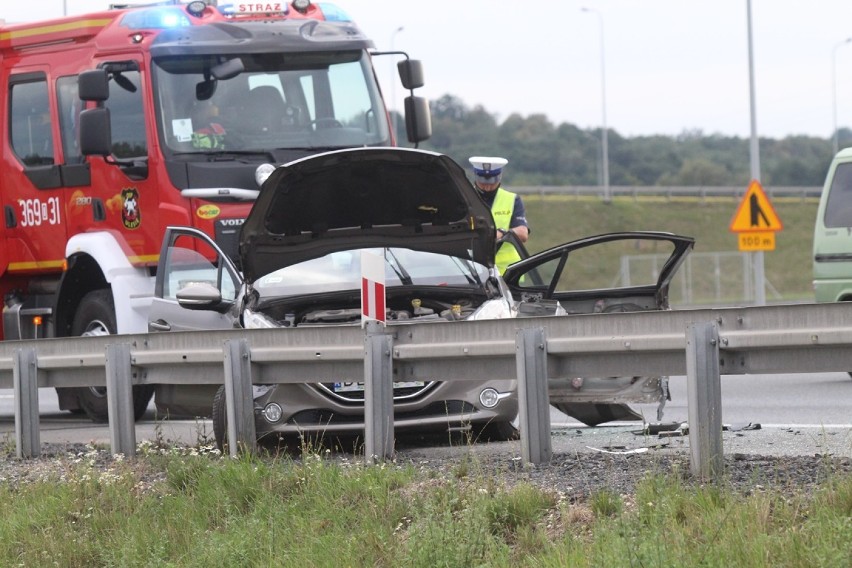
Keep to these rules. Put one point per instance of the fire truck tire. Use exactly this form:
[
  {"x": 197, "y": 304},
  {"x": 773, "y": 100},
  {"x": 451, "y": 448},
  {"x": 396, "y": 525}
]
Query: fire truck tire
[{"x": 96, "y": 316}]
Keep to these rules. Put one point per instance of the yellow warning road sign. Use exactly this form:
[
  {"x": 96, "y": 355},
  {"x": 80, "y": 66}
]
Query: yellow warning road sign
[
  {"x": 755, "y": 213},
  {"x": 751, "y": 241}
]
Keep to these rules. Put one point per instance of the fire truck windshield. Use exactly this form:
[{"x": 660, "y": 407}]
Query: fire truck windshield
[{"x": 279, "y": 101}]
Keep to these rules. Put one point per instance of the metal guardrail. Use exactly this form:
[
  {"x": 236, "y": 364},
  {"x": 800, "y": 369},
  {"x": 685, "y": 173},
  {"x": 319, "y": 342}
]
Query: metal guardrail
[
  {"x": 669, "y": 192},
  {"x": 544, "y": 353}
]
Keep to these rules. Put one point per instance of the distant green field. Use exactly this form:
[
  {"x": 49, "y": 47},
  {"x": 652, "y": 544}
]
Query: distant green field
[{"x": 716, "y": 279}]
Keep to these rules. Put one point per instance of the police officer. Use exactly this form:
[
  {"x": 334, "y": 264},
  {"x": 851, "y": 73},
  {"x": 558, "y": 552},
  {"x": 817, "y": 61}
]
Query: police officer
[{"x": 507, "y": 208}]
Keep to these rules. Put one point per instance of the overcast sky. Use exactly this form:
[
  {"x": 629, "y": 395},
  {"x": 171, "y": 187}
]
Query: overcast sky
[{"x": 671, "y": 65}]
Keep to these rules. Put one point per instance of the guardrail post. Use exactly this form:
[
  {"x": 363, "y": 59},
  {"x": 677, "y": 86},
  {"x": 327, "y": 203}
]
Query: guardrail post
[
  {"x": 704, "y": 396},
  {"x": 239, "y": 400},
  {"x": 25, "y": 383},
  {"x": 378, "y": 393},
  {"x": 533, "y": 399},
  {"x": 119, "y": 384}
]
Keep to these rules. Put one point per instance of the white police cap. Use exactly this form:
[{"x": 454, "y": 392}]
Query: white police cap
[{"x": 488, "y": 166}]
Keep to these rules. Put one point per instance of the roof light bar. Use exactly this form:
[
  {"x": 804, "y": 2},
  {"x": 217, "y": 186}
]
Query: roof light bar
[
  {"x": 196, "y": 8},
  {"x": 301, "y": 6}
]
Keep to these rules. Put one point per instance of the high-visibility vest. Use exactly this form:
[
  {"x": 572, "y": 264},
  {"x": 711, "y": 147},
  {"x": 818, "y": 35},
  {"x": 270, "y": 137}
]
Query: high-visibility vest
[
  {"x": 502, "y": 209},
  {"x": 211, "y": 137}
]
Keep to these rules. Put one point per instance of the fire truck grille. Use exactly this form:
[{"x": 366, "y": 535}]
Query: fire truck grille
[{"x": 227, "y": 235}]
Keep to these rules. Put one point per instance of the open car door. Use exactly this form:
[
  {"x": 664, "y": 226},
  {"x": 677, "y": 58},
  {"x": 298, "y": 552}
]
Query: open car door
[{"x": 615, "y": 272}]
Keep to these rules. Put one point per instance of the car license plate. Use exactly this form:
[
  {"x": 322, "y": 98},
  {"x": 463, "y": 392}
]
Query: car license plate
[{"x": 353, "y": 386}]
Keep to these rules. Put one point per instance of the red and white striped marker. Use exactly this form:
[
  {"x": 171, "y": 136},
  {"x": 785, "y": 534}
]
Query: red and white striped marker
[{"x": 372, "y": 288}]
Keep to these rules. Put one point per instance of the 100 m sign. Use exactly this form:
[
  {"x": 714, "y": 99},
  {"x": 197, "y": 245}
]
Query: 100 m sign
[{"x": 756, "y": 241}]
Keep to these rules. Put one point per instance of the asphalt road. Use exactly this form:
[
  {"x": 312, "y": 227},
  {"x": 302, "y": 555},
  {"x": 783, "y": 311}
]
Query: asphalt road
[
  {"x": 764, "y": 415},
  {"x": 794, "y": 414}
]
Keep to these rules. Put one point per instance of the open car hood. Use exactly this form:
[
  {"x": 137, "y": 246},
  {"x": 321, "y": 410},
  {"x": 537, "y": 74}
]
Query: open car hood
[{"x": 365, "y": 197}]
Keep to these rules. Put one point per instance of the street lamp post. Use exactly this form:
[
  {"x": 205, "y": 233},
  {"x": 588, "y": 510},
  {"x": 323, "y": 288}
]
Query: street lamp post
[
  {"x": 834, "y": 88},
  {"x": 757, "y": 256},
  {"x": 604, "y": 143},
  {"x": 393, "y": 81}
]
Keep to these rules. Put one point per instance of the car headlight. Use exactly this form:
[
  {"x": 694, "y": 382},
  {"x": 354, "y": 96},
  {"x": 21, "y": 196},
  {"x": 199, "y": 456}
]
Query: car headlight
[
  {"x": 492, "y": 309},
  {"x": 262, "y": 172},
  {"x": 254, "y": 320}
]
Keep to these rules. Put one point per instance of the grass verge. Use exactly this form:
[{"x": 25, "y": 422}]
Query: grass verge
[{"x": 194, "y": 508}]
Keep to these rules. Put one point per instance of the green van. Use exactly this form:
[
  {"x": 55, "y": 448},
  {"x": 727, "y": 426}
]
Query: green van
[{"x": 833, "y": 233}]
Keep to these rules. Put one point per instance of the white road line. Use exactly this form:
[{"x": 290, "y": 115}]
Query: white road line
[{"x": 639, "y": 425}]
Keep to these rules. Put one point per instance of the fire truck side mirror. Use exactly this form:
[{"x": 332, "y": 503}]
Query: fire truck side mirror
[
  {"x": 93, "y": 85},
  {"x": 95, "y": 132},
  {"x": 418, "y": 119},
  {"x": 411, "y": 73}
]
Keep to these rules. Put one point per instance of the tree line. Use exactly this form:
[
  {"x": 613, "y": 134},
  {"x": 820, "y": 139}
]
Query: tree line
[{"x": 543, "y": 153}]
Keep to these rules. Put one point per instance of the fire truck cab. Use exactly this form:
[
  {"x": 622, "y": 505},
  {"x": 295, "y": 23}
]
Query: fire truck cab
[{"x": 118, "y": 124}]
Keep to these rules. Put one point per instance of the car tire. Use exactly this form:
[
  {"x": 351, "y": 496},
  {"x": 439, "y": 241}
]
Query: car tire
[
  {"x": 497, "y": 432},
  {"x": 220, "y": 419},
  {"x": 96, "y": 316}
]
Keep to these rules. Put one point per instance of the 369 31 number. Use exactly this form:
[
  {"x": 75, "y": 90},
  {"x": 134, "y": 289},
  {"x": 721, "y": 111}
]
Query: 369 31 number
[{"x": 37, "y": 212}]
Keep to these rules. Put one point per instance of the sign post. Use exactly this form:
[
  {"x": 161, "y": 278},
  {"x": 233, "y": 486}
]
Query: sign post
[
  {"x": 373, "y": 306},
  {"x": 756, "y": 223},
  {"x": 754, "y": 153},
  {"x": 378, "y": 363}
]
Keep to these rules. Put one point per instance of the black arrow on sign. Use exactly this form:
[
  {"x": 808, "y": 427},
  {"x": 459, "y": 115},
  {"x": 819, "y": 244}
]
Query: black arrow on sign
[{"x": 756, "y": 211}]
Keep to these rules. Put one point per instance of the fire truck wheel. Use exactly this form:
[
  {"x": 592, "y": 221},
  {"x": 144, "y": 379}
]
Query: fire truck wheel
[{"x": 96, "y": 316}]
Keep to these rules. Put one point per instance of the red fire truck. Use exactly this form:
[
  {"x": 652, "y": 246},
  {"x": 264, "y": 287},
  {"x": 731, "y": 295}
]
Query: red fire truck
[{"x": 120, "y": 123}]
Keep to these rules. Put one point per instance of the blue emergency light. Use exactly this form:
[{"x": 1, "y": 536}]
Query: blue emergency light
[{"x": 155, "y": 19}]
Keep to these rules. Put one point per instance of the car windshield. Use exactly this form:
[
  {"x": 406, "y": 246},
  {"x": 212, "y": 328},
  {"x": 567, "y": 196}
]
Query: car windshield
[
  {"x": 279, "y": 101},
  {"x": 341, "y": 271}
]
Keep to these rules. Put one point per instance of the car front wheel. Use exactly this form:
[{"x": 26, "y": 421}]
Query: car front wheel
[
  {"x": 497, "y": 432},
  {"x": 220, "y": 419}
]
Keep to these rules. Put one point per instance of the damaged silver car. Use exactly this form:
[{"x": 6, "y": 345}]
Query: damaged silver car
[{"x": 299, "y": 265}]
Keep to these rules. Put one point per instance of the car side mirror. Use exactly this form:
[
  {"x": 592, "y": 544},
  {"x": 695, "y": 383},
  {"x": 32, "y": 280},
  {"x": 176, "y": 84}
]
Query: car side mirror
[{"x": 201, "y": 296}]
